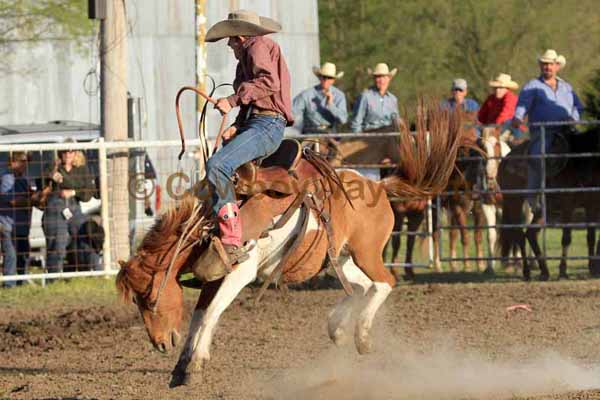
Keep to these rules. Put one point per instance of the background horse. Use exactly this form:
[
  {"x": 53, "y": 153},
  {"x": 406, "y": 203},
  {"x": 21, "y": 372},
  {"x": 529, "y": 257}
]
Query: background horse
[
  {"x": 578, "y": 172},
  {"x": 430, "y": 162}
]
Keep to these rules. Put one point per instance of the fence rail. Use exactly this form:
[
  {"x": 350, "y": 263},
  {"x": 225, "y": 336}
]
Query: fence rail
[{"x": 165, "y": 153}]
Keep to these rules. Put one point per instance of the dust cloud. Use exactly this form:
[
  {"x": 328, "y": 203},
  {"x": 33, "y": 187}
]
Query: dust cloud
[{"x": 443, "y": 372}]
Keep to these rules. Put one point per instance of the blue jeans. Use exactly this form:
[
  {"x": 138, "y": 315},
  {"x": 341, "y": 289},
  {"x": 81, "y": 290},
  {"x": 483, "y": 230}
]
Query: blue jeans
[
  {"x": 534, "y": 165},
  {"x": 9, "y": 252},
  {"x": 260, "y": 136},
  {"x": 60, "y": 232}
]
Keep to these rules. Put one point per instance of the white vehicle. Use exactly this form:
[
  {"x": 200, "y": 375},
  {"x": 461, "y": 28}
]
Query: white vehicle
[{"x": 59, "y": 132}]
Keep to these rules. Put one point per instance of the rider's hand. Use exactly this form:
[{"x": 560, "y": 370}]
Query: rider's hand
[
  {"x": 229, "y": 133},
  {"x": 223, "y": 105}
]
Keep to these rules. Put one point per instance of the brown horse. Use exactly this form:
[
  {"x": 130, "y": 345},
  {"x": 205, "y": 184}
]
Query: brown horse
[
  {"x": 427, "y": 163},
  {"x": 573, "y": 173}
]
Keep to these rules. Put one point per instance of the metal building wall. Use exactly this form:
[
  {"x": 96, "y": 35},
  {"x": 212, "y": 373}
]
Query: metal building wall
[
  {"x": 162, "y": 58},
  {"x": 162, "y": 50}
]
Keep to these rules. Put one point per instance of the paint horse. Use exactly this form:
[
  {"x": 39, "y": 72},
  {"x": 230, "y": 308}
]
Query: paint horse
[{"x": 335, "y": 230}]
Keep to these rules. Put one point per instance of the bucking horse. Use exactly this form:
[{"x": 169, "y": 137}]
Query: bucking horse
[{"x": 297, "y": 211}]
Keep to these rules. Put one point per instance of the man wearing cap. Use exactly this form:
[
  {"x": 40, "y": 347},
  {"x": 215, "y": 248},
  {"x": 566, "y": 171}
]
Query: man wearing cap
[
  {"x": 262, "y": 91},
  {"x": 376, "y": 108},
  {"x": 546, "y": 98},
  {"x": 499, "y": 107},
  {"x": 321, "y": 108},
  {"x": 459, "y": 98}
]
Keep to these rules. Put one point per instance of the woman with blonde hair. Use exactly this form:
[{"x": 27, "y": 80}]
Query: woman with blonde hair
[{"x": 69, "y": 182}]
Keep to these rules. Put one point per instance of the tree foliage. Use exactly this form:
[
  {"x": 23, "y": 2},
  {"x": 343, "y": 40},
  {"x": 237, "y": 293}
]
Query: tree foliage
[
  {"x": 436, "y": 41},
  {"x": 37, "y": 20}
]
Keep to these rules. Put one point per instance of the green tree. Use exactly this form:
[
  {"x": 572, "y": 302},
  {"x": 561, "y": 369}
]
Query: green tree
[
  {"x": 433, "y": 42},
  {"x": 591, "y": 97},
  {"x": 30, "y": 21}
]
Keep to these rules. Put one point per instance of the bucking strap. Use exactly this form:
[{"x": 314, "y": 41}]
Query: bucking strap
[
  {"x": 331, "y": 251},
  {"x": 276, "y": 273}
]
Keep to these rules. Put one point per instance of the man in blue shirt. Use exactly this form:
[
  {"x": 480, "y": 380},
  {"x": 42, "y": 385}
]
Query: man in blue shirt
[
  {"x": 547, "y": 98},
  {"x": 376, "y": 108},
  {"x": 459, "y": 98},
  {"x": 321, "y": 108},
  {"x": 11, "y": 205}
]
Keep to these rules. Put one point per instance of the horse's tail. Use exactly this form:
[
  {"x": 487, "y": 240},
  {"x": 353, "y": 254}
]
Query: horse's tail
[{"x": 427, "y": 158}]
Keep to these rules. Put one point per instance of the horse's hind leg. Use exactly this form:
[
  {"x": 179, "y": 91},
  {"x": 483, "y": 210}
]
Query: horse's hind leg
[
  {"x": 489, "y": 210},
  {"x": 566, "y": 243},
  {"x": 414, "y": 222},
  {"x": 196, "y": 351},
  {"x": 341, "y": 316},
  {"x": 478, "y": 221},
  {"x": 371, "y": 264}
]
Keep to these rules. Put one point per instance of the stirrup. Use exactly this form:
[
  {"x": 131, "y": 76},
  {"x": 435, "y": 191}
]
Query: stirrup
[
  {"x": 235, "y": 254},
  {"x": 218, "y": 259}
]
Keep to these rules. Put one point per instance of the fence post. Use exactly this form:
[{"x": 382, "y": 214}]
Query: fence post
[
  {"x": 430, "y": 233},
  {"x": 103, "y": 163},
  {"x": 543, "y": 191}
]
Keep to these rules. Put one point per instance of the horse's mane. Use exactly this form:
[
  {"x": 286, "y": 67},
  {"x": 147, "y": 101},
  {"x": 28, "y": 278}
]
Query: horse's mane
[
  {"x": 428, "y": 157},
  {"x": 171, "y": 223},
  {"x": 188, "y": 217}
]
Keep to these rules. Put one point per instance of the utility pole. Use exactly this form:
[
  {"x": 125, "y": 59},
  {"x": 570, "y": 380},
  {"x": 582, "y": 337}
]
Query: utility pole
[
  {"x": 201, "y": 71},
  {"x": 114, "y": 120}
]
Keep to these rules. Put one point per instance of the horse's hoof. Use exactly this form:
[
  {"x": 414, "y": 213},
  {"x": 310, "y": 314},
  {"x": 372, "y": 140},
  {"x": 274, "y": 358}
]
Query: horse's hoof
[
  {"x": 489, "y": 271},
  {"x": 527, "y": 278},
  {"x": 179, "y": 378},
  {"x": 544, "y": 277},
  {"x": 363, "y": 343},
  {"x": 364, "y": 347},
  {"x": 339, "y": 337},
  {"x": 563, "y": 275}
]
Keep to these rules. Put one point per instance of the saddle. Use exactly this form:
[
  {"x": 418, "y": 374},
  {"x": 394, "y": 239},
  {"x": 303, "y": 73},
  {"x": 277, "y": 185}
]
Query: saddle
[{"x": 286, "y": 171}]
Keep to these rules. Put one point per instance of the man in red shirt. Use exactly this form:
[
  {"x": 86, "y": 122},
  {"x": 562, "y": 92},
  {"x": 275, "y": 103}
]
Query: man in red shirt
[
  {"x": 262, "y": 88},
  {"x": 499, "y": 107}
]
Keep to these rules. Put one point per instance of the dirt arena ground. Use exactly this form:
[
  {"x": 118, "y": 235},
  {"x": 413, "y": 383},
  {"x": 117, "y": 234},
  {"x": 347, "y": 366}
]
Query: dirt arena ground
[{"x": 432, "y": 341}]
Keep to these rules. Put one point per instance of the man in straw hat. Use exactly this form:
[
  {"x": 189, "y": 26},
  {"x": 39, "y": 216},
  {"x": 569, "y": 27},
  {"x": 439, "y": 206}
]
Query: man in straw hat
[
  {"x": 321, "y": 108},
  {"x": 262, "y": 91},
  {"x": 546, "y": 98},
  {"x": 376, "y": 108},
  {"x": 499, "y": 107}
]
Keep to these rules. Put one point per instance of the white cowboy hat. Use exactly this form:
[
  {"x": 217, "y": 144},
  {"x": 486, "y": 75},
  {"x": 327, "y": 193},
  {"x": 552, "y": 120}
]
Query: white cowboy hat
[
  {"x": 561, "y": 60},
  {"x": 242, "y": 23},
  {"x": 382, "y": 69},
  {"x": 551, "y": 56},
  {"x": 504, "y": 81},
  {"x": 327, "y": 70}
]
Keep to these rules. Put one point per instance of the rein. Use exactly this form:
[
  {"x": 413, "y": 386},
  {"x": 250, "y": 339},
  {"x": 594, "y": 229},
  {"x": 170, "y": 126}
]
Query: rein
[
  {"x": 180, "y": 122},
  {"x": 184, "y": 237}
]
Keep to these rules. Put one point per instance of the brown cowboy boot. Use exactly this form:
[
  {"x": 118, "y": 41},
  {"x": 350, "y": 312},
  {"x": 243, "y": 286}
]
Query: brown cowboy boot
[{"x": 223, "y": 252}]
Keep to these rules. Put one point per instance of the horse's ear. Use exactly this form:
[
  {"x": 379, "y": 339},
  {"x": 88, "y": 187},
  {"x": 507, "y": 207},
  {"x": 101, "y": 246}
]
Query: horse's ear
[{"x": 122, "y": 264}]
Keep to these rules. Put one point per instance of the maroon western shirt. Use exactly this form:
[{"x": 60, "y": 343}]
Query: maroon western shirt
[{"x": 262, "y": 80}]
